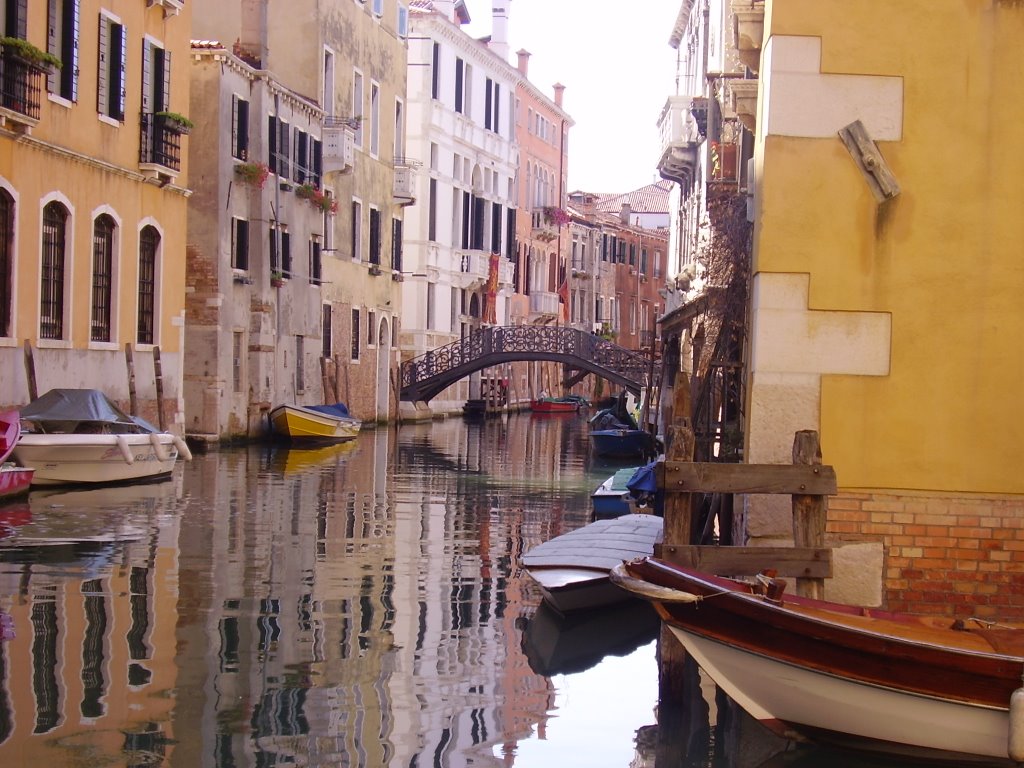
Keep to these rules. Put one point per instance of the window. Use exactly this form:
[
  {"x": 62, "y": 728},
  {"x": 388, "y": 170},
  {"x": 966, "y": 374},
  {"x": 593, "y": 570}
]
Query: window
[
  {"x": 400, "y": 130},
  {"x": 357, "y": 230},
  {"x": 110, "y": 86},
  {"x": 458, "y": 85},
  {"x": 374, "y": 236},
  {"x": 326, "y": 349},
  {"x": 371, "y": 322},
  {"x": 286, "y": 253},
  {"x": 492, "y": 106},
  {"x": 51, "y": 311},
  {"x": 102, "y": 277},
  {"x": 62, "y": 42},
  {"x": 396, "y": 245},
  {"x": 156, "y": 78},
  {"x": 403, "y": 21},
  {"x": 240, "y": 244},
  {"x": 300, "y": 170},
  {"x": 435, "y": 72},
  {"x": 495, "y": 227},
  {"x": 315, "y": 262},
  {"x": 316, "y": 162},
  {"x": 300, "y": 364},
  {"x": 278, "y": 134},
  {"x": 378, "y": 7},
  {"x": 6, "y": 263},
  {"x": 239, "y": 128},
  {"x": 149, "y": 242},
  {"x": 357, "y": 105},
  {"x": 355, "y": 335},
  {"x": 374, "y": 119}
]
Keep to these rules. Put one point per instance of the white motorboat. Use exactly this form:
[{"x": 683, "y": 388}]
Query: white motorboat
[{"x": 79, "y": 436}]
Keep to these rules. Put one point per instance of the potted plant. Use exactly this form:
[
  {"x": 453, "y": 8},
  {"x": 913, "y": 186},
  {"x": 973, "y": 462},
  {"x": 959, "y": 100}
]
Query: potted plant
[
  {"x": 556, "y": 216},
  {"x": 28, "y": 53},
  {"x": 305, "y": 191},
  {"x": 255, "y": 174},
  {"x": 175, "y": 122},
  {"x": 277, "y": 278}
]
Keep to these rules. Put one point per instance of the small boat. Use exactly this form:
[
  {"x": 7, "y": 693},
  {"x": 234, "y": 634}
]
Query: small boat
[
  {"x": 14, "y": 480},
  {"x": 314, "y": 422},
  {"x": 930, "y": 687},
  {"x": 572, "y": 569},
  {"x": 614, "y": 433},
  {"x": 80, "y": 436},
  {"x": 474, "y": 409},
  {"x": 613, "y": 497},
  {"x": 555, "y": 405}
]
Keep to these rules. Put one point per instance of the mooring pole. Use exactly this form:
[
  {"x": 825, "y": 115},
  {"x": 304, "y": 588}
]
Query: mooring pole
[
  {"x": 133, "y": 405},
  {"x": 30, "y": 371}
]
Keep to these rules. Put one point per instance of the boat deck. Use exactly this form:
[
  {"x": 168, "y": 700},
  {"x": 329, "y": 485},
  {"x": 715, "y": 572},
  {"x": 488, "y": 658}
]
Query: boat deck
[{"x": 600, "y": 545}]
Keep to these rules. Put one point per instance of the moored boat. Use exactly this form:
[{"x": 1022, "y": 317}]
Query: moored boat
[
  {"x": 555, "y": 405},
  {"x": 80, "y": 436},
  {"x": 926, "y": 686},
  {"x": 572, "y": 569},
  {"x": 612, "y": 498},
  {"x": 314, "y": 422},
  {"x": 14, "y": 480}
]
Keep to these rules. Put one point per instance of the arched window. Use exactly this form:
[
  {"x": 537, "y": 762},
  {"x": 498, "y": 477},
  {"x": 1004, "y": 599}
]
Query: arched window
[
  {"x": 102, "y": 276},
  {"x": 6, "y": 263},
  {"x": 149, "y": 244},
  {"x": 51, "y": 310}
]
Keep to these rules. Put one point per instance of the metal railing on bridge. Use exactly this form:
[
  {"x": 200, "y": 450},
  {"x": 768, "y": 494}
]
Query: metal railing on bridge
[{"x": 426, "y": 376}]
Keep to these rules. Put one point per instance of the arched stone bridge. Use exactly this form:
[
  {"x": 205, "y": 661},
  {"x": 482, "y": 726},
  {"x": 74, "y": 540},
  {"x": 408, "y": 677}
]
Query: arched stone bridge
[{"x": 426, "y": 376}]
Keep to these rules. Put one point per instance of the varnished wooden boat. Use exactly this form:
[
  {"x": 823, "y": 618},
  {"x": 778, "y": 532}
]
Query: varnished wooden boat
[{"x": 928, "y": 687}]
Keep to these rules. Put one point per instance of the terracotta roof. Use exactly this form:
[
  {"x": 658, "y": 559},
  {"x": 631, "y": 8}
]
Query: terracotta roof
[{"x": 650, "y": 199}]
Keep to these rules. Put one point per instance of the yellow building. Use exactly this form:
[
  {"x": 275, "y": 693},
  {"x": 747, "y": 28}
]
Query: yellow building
[
  {"x": 886, "y": 308},
  {"x": 93, "y": 198}
]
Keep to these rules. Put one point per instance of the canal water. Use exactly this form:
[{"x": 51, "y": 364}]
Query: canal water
[{"x": 353, "y": 605}]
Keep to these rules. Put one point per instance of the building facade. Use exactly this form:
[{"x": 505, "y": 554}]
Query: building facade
[
  {"x": 296, "y": 240},
  {"x": 93, "y": 191},
  {"x": 459, "y": 240}
]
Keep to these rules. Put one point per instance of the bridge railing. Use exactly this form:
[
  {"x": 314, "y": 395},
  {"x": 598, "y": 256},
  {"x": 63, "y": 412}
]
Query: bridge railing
[{"x": 528, "y": 340}]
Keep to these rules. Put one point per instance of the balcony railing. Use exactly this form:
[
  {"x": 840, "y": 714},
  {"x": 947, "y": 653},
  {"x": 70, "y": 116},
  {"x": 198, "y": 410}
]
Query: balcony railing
[
  {"x": 543, "y": 303},
  {"x": 21, "y": 87},
  {"x": 680, "y": 129},
  {"x": 339, "y": 144},
  {"x": 404, "y": 181},
  {"x": 474, "y": 263},
  {"x": 159, "y": 143}
]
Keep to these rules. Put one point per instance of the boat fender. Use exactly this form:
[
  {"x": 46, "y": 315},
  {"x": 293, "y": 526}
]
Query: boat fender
[
  {"x": 1015, "y": 746},
  {"x": 158, "y": 448},
  {"x": 182, "y": 447},
  {"x": 126, "y": 451}
]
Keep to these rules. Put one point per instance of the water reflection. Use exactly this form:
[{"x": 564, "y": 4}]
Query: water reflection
[{"x": 354, "y": 605}]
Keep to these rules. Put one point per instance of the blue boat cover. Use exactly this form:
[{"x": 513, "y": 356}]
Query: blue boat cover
[{"x": 337, "y": 410}]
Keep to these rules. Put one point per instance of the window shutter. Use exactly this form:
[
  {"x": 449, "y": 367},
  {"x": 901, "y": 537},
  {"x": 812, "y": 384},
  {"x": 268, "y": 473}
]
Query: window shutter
[
  {"x": 21, "y": 23},
  {"x": 242, "y": 244},
  {"x": 284, "y": 147},
  {"x": 122, "y": 59},
  {"x": 318, "y": 161},
  {"x": 243, "y": 129},
  {"x": 235, "y": 128},
  {"x": 286, "y": 253},
  {"x": 496, "y": 122},
  {"x": 273, "y": 250},
  {"x": 72, "y": 29},
  {"x": 458, "y": 85},
  {"x": 147, "y": 77},
  {"x": 103, "y": 67},
  {"x": 165, "y": 92},
  {"x": 52, "y": 77},
  {"x": 487, "y": 103}
]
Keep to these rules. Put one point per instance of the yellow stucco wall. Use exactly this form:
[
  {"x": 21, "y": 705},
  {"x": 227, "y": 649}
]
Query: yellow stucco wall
[{"x": 942, "y": 260}]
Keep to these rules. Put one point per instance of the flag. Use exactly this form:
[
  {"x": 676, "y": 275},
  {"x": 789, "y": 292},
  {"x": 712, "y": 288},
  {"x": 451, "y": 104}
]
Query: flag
[{"x": 563, "y": 297}]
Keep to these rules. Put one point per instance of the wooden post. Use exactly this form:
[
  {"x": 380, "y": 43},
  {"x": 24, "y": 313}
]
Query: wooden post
[
  {"x": 337, "y": 379},
  {"x": 133, "y": 403},
  {"x": 809, "y": 512},
  {"x": 30, "y": 372},
  {"x": 325, "y": 378},
  {"x": 158, "y": 374}
]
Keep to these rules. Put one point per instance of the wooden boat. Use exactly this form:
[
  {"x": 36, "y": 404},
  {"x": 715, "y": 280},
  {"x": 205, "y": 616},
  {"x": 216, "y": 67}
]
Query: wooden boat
[
  {"x": 474, "y": 409},
  {"x": 623, "y": 443},
  {"x": 917, "y": 686},
  {"x": 314, "y": 422},
  {"x": 14, "y": 480},
  {"x": 80, "y": 436},
  {"x": 612, "y": 498},
  {"x": 555, "y": 405},
  {"x": 572, "y": 569}
]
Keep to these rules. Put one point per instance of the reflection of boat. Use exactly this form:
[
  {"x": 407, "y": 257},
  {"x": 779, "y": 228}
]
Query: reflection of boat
[
  {"x": 559, "y": 645},
  {"x": 612, "y": 498},
  {"x": 304, "y": 459},
  {"x": 14, "y": 480},
  {"x": 572, "y": 569},
  {"x": 80, "y": 436},
  {"x": 314, "y": 422},
  {"x": 854, "y": 676},
  {"x": 555, "y": 405}
]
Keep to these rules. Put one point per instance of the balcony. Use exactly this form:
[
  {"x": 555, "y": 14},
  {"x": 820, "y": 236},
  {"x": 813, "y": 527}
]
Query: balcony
[
  {"x": 21, "y": 89},
  {"x": 743, "y": 101},
  {"x": 543, "y": 303},
  {"x": 541, "y": 227},
  {"x": 159, "y": 146},
  {"x": 339, "y": 150},
  {"x": 171, "y": 7},
  {"x": 748, "y": 31},
  {"x": 405, "y": 174},
  {"x": 474, "y": 267},
  {"x": 680, "y": 138}
]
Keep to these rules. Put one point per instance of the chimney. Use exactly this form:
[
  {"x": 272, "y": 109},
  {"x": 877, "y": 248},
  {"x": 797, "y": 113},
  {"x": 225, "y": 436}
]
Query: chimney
[
  {"x": 524, "y": 61},
  {"x": 625, "y": 213},
  {"x": 499, "y": 28},
  {"x": 559, "y": 91}
]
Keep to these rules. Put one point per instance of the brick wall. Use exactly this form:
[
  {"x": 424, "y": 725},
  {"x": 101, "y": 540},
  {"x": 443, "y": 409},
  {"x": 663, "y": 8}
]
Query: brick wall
[{"x": 944, "y": 555}]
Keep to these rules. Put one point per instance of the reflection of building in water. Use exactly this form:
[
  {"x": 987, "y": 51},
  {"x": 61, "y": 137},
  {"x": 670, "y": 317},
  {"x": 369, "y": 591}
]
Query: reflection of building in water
[{"x": 89, "y": 657}]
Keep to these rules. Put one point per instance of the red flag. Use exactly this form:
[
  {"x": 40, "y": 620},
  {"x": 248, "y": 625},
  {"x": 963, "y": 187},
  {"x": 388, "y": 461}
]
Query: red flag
[{"x": 563, "y": 298}]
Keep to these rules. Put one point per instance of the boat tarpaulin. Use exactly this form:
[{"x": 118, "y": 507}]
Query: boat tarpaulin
[{"x": 62, "y": 410}]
